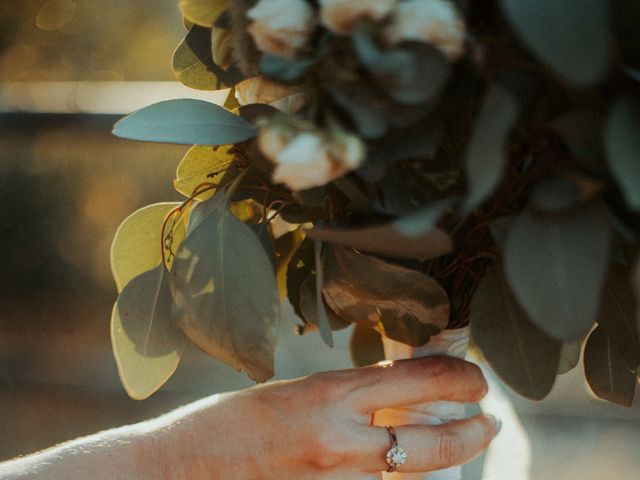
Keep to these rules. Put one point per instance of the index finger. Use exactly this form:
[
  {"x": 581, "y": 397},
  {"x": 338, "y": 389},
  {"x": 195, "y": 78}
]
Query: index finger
[{"x": 407, "y": 382}]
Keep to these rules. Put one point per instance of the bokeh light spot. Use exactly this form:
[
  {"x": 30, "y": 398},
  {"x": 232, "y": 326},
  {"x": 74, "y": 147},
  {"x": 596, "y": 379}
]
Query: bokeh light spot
[{"x": 55, "y": 14}]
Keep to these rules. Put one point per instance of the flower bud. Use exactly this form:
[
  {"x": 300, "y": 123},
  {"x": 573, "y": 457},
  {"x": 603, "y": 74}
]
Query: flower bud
[
  {"x": 281, "y": 27},
  {"x": 435, "y": 22},
  {"x": 306, "y": 157},
  {"x": 341, "y": 16}
]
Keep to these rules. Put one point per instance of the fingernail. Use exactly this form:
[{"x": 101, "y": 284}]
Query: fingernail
[{"x": 497, "y": 422}]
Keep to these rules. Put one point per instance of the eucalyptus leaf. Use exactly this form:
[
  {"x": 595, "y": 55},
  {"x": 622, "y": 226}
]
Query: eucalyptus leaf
[
  {"x": 519, "y": 352},
  {"x": 136, "y": 246},
  {"x": 301, "y": 266},
  {"x": 193, "y": 63},
  {"x": 402, "y": 304},
  {"x": 386, "y": 240},
  {"x": 569, "y": 356},
  {"x": 623, "y": 148},
  {"x": 606, "y": 371},
  {"x": 202, "y": 164},
  {"x": 147, "y": 344},
  {"x": 366, "y": 346},
  {"x": 203, "y": 12},
  {"x": 423, "y": 220},
  {"x": 486, "y": 155},
  {"x": 618, "y": 315},
  {"x": 309, "y": 307},
  {"x": 557, "y": 267},
  {"x": 187, "y": 122},
  {"x": 573, "y": 37},
  {"x": 226, "y": 293}
]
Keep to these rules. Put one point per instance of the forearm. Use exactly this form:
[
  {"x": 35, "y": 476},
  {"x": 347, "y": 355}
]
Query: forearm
[{"x": 161, "y": 448}]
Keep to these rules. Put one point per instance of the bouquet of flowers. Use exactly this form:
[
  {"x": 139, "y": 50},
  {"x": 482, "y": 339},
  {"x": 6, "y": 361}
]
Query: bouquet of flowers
[{"x": 406, "y": 166}]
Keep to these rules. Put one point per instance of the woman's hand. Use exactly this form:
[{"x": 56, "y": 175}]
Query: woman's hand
[{"x": 319, "y": 427}]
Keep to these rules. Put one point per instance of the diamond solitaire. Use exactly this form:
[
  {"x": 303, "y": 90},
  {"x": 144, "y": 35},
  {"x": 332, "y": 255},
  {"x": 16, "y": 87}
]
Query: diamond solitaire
[{"x": 396, "y": 456}]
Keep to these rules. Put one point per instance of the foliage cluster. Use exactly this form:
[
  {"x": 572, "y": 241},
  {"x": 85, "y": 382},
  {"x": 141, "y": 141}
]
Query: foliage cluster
[{"x": 488, "y": 175}]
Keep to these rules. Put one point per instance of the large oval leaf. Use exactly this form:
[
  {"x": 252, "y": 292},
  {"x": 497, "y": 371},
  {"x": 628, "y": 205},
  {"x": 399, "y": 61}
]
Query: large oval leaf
[
  {"x": 202, "y": 164},
  {"x": 388, "y": 240},
  {"x": 203, "y": 12},
  {"x": 605, "y": 370},
  {"x": 520, "y": 353},
  {"x": 225, "y": 292},
  {"x": 486, "y": 155},
  {"x": 402, "y": 304},
  {"x": 623, "y": 148},
  {"x": 136, "y": 247},
  {"x": 573, "y": 37},
  {"x": 147, "y": 343},
  {"x": 186, "y": 122},
  {"x": 618, "y": 315},
  {"x": 557, "y": 266}
]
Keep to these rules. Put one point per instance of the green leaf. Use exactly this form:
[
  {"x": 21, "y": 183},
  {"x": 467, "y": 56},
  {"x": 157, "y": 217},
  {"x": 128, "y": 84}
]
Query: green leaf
[
  {"x": 424, "y": 220},
  {"x": 486, "y": 155},
  {"x": 606, "y": 371},
  {"x": 226, "y": 293},
  {"x": 572, "y": 37},
  {"x": 402, "y": 304},
  {"x": 193, "y": 63},
  {"x": 618, "y": 315},
  {"x": 202, "y": 164},
  {"x": 388, "y": 241},
  {"x": 366, "y": 347},
  {"x": 301, "y": 266},
  {"x": 147, "y": 344},
  {"x": 187, "y": 122},
  {"x": 569, "y": 356},
  {"x": 557, "y": 267},
  {"x": 309, "y": 307},
  {"x": 520, "y": 353},
  {"x": 623, "y": 148},
  {"x": 203, "y": 12},
  {"x": 136, "y": 246}
]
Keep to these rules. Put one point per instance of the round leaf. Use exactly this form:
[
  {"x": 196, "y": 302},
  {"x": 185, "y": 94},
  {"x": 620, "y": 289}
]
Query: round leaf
[
  {"x": 147, "y": 344},
  {"x": 402, "y": 304},
  {"x": 366, "y": 346},
  {"x": 623, "y": 148},
  {"x": 192, "y": 61},
  {"x": 606, "y": 371},
  {"x": 573, "y": 37},
  {"x": 186, "y": 122},
  {"x": 225, "y": 292},
  {"x": 202, "y": 164},
  {"x": 486, "y": 154},
  {"x": 519, "y": 352},
  {"x": 136, "y": 247},
  {"x": 557, "y": 266}
]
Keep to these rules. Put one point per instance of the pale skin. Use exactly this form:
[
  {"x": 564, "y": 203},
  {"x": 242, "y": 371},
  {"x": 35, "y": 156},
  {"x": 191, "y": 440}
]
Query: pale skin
[{"x": 317, "y": 427}]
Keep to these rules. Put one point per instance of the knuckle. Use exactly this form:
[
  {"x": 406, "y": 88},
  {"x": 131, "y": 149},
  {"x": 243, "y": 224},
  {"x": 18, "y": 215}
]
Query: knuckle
[{"x": 449, "y": 448}]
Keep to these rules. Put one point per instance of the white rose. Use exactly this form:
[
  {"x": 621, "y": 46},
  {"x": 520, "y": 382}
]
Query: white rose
[
  {"x": 281, "y": 27},
  {"x": 307, "y": 158},
  {"x": 340, "y": 16},
  {"x": 304, "y": 163},
  {"x": 436, "y": 22},
  {"x": 259, "y": 89}
]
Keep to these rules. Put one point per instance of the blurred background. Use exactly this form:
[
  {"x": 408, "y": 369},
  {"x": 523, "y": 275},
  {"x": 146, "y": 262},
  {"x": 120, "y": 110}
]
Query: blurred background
[{"x": 68, "y": 70}]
